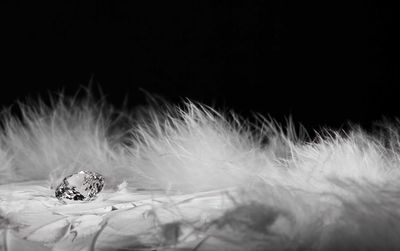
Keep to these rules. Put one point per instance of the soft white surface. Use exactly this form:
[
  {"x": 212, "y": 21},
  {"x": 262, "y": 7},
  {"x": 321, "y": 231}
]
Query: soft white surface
[
  {"x": 195, "y": 180},
  {"x": 116, "y": 219}
]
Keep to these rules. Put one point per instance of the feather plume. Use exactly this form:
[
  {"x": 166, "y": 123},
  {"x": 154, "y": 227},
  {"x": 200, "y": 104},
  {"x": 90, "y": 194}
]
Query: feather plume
[{"x": 192, "y": 178}]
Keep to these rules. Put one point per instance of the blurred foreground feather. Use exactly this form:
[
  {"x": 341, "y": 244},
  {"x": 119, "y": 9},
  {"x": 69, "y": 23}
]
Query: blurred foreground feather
[{"x": 193, "y": 179}]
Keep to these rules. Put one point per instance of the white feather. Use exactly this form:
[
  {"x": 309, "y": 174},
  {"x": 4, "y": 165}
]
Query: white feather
[{"x": 192, "y": 178}]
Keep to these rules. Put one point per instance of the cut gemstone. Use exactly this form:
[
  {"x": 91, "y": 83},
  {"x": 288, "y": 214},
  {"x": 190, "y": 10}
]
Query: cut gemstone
[{"x": 84, "y": 185}]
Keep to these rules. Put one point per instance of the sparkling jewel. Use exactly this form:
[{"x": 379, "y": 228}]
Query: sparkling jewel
[{"x": 84, "y": 185}]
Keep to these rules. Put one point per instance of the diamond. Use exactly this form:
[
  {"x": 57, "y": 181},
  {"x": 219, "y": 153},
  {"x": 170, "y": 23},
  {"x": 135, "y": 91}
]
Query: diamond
[{"x": 83, "y": 185}]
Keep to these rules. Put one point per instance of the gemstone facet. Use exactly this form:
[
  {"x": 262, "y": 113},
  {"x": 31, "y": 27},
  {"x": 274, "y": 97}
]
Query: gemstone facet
[{"x": 84, "y": 185}]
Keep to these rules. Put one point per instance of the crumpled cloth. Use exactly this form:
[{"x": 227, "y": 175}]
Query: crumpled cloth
[{"x": 33, "y": 219}]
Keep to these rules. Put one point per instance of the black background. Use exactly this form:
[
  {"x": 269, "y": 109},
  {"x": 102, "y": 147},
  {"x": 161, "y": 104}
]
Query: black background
[{"x": 324, "y": 63}]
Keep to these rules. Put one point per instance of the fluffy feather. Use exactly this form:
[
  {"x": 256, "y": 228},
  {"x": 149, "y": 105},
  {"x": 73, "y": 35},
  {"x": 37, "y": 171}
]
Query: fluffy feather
[{"x": 221, "y": 182}]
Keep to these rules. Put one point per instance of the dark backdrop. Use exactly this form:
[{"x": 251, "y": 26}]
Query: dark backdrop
[{"x": 323, "y": 63}]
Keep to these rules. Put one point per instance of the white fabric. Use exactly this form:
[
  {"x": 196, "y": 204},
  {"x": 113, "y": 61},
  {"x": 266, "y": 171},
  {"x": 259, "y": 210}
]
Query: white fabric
[{"x": 114, "y": 220}]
